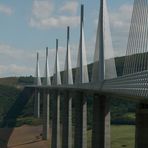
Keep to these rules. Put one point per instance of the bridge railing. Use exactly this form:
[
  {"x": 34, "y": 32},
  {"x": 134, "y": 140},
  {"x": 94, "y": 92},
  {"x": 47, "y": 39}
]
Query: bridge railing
[{"x": 135, "y": 85}]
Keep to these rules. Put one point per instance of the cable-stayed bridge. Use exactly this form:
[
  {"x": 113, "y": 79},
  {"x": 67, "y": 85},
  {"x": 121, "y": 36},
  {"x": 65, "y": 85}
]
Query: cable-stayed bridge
[{"x": 102, "y": 83}]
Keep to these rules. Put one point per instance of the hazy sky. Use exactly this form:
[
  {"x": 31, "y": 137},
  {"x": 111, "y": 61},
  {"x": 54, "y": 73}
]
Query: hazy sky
[{"x": 28, "y": 26}]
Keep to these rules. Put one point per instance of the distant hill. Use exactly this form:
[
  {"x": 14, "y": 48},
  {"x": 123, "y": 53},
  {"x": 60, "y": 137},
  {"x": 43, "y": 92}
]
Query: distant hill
[
  {"x": 9, "y": 81},
  {"x": 16, "y": 81}
]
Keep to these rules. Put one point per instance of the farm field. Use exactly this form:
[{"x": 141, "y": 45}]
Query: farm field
[{"x": 123, "y": 136}]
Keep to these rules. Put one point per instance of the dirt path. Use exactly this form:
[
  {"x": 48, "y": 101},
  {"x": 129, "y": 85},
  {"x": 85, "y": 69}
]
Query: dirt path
[{"x": 23, "y": 137}]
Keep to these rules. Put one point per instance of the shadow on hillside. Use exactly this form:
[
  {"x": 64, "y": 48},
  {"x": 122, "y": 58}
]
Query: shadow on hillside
[{"x": 9, "y": 121}]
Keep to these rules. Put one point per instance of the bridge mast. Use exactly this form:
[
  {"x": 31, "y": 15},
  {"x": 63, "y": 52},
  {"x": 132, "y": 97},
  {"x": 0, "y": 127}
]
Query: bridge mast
[
  {"x": 67, "y": 98},
  {"x": 46, "y": 99},
  {"x": 80, "y": 137},
  {"x": 101, "y": 104},
  {"x": 82, "y": 71},
  {"x": 37, "y": 92},
  {"x": 56, "y": 141},
  {"x": 101, "y": 47}
]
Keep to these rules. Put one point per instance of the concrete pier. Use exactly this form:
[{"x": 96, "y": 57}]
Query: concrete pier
[
  {"x": 67, "y": 121},
  {"x": 101, "y": 122},
  {"x": 80, "y": 137},
  {"x": 46, "y": 100},
  {"x": 141, "y": 139},
  {"x": 56, "y": 134},
  {"x": 37, "y": 103}
]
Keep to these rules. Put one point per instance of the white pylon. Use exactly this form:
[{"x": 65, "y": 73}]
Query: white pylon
[
  {"x": 57, "y": 75},
  {"x": 47, "y": 75},
  {"x": 37, "y": 73},
  {"x": 68, "y": 77},
  {"x": 82, "y": 70},
  {"x": 104, "y": 63}
]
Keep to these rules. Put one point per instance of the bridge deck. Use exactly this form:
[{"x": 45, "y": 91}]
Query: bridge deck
[{"x": 132, "y": 86}]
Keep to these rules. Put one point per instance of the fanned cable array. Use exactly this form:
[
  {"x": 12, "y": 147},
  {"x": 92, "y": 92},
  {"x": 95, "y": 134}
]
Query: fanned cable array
[{"x": 136, "y": 59}]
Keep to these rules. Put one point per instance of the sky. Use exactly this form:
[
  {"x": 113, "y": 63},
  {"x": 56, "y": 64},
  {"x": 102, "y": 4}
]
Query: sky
[{"x": 29, "y": 26}]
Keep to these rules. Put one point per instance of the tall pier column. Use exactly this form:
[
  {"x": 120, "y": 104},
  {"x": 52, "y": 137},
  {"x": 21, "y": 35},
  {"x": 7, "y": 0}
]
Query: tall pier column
[
  {"x": 80, "y": 137},
  {"x": 56, "y": 141},
  {"x": 67, "y": 121},
  {"x": 101, "y": 122},
  {"x": 141, "y": 139},
  {"x": 37, "y": 103},
  {"x": 46, "y": 98}
]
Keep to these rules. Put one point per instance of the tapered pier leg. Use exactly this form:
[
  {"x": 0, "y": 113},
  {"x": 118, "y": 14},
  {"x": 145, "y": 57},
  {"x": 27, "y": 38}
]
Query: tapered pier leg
[
  {"x": 141, "y": 140},
  {"x": 101, "y": 122},
  {"x": 80, "y": 137},
  {"x": 67, "y": 121},
  {"x": 56, "y": 141},
  {"x": 46, "y": 98},
  {"x": 37, "y": 103}
]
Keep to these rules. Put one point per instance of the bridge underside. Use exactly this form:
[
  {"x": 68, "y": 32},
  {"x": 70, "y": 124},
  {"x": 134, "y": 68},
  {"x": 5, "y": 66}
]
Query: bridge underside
[
  {"x": 101, "y": 120},
  {"x": 132, "y": 86}
]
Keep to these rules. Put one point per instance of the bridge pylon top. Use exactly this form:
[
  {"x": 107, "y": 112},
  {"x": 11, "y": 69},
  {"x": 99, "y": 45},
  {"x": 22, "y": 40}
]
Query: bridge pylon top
[
  {"x": 46, "y": 80},
  {"x": 104, "y": 64},
  {"x": 57, "y": 75},
  {"x": 37, "y": 73},
  {"x": 82, "y": 71},
  {"x": 68, "y": 77}
]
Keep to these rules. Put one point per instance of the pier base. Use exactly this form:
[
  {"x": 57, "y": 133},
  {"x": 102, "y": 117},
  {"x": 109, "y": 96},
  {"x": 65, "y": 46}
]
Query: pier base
[
  {"x": 101, "y": 122},
  {"x": 46, "y": 98},
  {"x": 56, "y": 134},
  {"x": 141, "y": 140},
  {"x": 37, "y": 103},
  {"x": 67, "y": 121},
  {"x": 80, "y": 137}
]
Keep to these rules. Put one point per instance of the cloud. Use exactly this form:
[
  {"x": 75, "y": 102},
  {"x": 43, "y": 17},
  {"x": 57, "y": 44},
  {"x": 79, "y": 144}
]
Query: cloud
[
  {"x": 42, "y": 9},
  {"x": 11, "y": 52},
  {"x": 15, "y": 61},
  {"x": 44, "y": 17},
  {"x": 121, "y": 18},
  {"x": 120, "y": 24},
  {"x": 15, "y": 70},
  {"x": 55, "y": 22},
  {"x": 70, "y": 7},
  {"x": 5, "y": 9}
]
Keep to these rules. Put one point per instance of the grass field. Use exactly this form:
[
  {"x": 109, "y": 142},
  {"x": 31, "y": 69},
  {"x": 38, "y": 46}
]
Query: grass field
[{"x": 122, "y": 136}]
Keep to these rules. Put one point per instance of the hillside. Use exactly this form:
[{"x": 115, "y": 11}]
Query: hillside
[{"x": 9, "y": 81}]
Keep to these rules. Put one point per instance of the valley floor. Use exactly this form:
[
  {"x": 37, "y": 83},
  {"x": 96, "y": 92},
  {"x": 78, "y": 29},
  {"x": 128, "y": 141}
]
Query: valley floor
[
  {"x": 23, "y": 137},
  {"x": 31, "y": 137}
]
